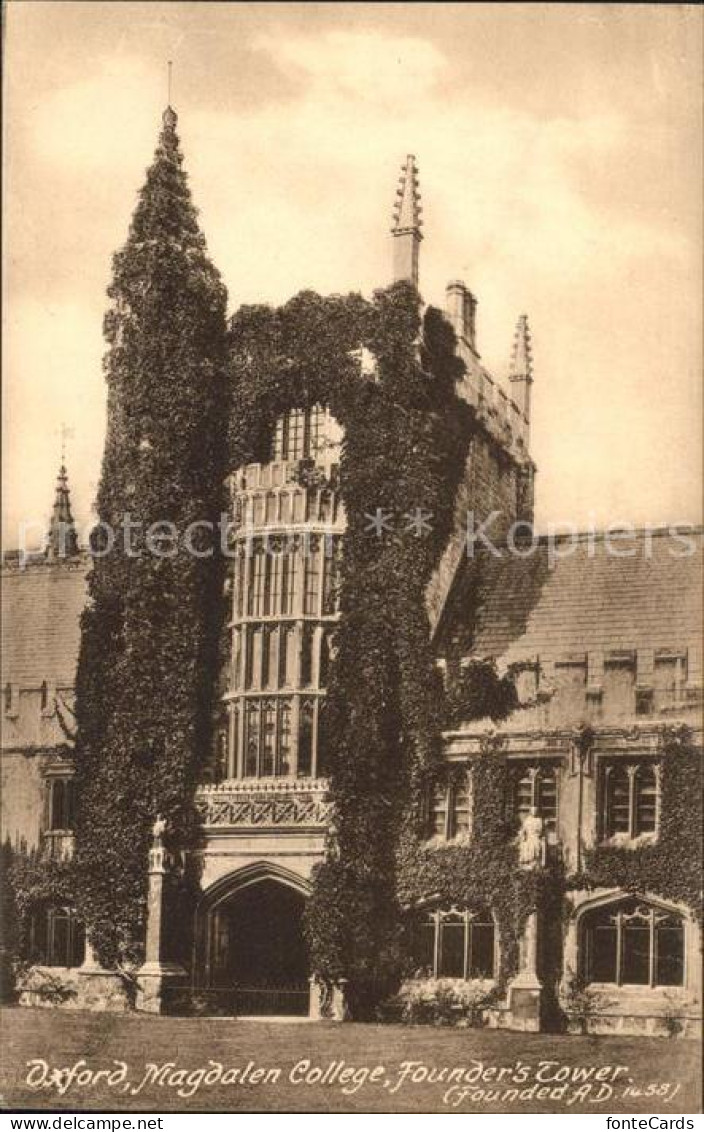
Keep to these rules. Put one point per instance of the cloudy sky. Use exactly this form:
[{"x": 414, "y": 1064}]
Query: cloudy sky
[{"x": 560, "y": 164}]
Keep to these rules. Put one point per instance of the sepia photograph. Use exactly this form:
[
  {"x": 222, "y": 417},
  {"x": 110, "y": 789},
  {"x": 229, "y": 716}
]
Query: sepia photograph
[{"x": 352, "y": 701}]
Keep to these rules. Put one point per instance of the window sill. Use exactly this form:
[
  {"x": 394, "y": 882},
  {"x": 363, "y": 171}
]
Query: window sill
[
  {"x": 440, "y": 842},
  {"x": 623, "y": 841},
  {"x": 634, "y": 990}
]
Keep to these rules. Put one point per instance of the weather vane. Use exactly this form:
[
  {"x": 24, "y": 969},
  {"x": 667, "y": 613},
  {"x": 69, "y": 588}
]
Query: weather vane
[{"x": 65, "y": 433}]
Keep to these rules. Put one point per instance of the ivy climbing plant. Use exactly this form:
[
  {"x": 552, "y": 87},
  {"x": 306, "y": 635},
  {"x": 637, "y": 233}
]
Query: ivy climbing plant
[{"x": 149, "y": 633}]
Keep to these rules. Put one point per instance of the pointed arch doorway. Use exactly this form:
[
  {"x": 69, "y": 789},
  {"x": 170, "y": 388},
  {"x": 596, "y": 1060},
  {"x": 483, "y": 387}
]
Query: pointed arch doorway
[{"x": 252, "y": 955}]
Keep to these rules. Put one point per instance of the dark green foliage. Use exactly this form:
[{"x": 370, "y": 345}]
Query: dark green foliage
[
  {"x": 476, "y": 691},
  {"x": 149, "y": 634}
]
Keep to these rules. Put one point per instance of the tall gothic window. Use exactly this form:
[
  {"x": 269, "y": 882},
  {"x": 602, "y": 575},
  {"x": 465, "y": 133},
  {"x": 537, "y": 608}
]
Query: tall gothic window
[
  {"x": 251, "y": 740},
  {"x": 256, "y": 582},
  {"x": 284, "y": 641},
  {"x": 271, "y": 505},
  {"x": 268, "y": 739},
  {"x": 307, "y": 656},
  {"x": 331, "y": 575},
  {"x": 537, "y": 788},
  {"x": 326, "y": 655},
  {"x": 305, "y": 738},
  {"x": 267, "y": 607},
  {"x": 630, "y": 793},
  {"x": 312, "y": 582},
  {"x": 239, "y": 584},
  {"x": 275, "y": 581},
  {"x": 258, "y": 510},
  {"x": 455, "y": 944},
  {"x": 283, "y": 761},
  {"x": 288, "y": 582},
  {"x": 632, "y": 943},
  {"x": 266, "y": 658},
  {"x": 236, "y": 658}
]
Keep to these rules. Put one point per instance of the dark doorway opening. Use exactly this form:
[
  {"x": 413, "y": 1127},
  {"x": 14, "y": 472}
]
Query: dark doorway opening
[{"x": 258, "y": 958}]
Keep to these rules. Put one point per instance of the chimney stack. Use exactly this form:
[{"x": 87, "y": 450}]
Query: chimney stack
[{"x": 461, "y": 308}]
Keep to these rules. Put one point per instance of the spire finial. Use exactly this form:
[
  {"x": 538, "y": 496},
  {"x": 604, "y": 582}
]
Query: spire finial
[
  {"x": 407, "y": 223},
  {"x": 408, "y": 208},
  {"x": 521, "y": 371},
  {"x": 522, "y": 356},
  {"x": 169, "y": 117},
  {"x": 65, "y": 433},
  {"x": 62, "y": 538}
]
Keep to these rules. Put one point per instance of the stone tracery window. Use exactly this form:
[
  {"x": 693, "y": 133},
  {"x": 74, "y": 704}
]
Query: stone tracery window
[
  {"x": 268, "y": 731},
  {"x": 455, "y": 943},
  {"x": 630, "y": 799},
  {"x": 633, "y": 943}
]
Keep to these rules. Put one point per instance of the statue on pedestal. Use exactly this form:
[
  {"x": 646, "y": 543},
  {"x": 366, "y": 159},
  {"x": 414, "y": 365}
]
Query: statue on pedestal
[
  {"x": 158, "y": 830},
  {"x": 531, "y": 840}
]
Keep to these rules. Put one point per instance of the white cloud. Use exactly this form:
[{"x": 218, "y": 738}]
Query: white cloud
[{"x": 365, "y": 66}]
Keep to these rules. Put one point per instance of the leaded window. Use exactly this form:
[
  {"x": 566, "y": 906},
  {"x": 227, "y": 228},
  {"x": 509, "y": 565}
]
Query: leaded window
[
  {"x": 450, "y": 808},
  {"x": 630, "y": 793},
  {"x": 305, "y": 738},
  {"x": 455, "y": 944},
  {"x": 288, "y": 582},
  {"x": 312, "y": 582},
  {"x": 299, "y": 434},
  {"x": 633, "y": 943}
]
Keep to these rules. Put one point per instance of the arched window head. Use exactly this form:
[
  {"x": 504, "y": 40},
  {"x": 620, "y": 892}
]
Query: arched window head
[
  {"x": 632, "y": 943},
  {"x": 455, "y": 943}
]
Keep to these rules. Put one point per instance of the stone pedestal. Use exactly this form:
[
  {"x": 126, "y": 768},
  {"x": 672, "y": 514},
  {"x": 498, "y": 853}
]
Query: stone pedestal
[
  {"x": 525, "y": 991},
  {"x": 156, "y": 975}
]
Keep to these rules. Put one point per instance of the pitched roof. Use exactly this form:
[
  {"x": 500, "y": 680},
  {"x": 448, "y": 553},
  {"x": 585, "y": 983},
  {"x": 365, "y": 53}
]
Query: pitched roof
[
  {"x": 587, "y": 599},
  {"x": 41, "y": 607}
]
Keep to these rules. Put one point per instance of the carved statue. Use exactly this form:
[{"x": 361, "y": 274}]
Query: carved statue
[
  {"x": 158, "y": 829},
  {"x": 530, "y": 840}
]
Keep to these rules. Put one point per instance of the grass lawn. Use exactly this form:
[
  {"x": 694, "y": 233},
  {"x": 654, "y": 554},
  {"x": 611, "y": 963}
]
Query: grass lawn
[{"x": 142, "y": 1063}]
